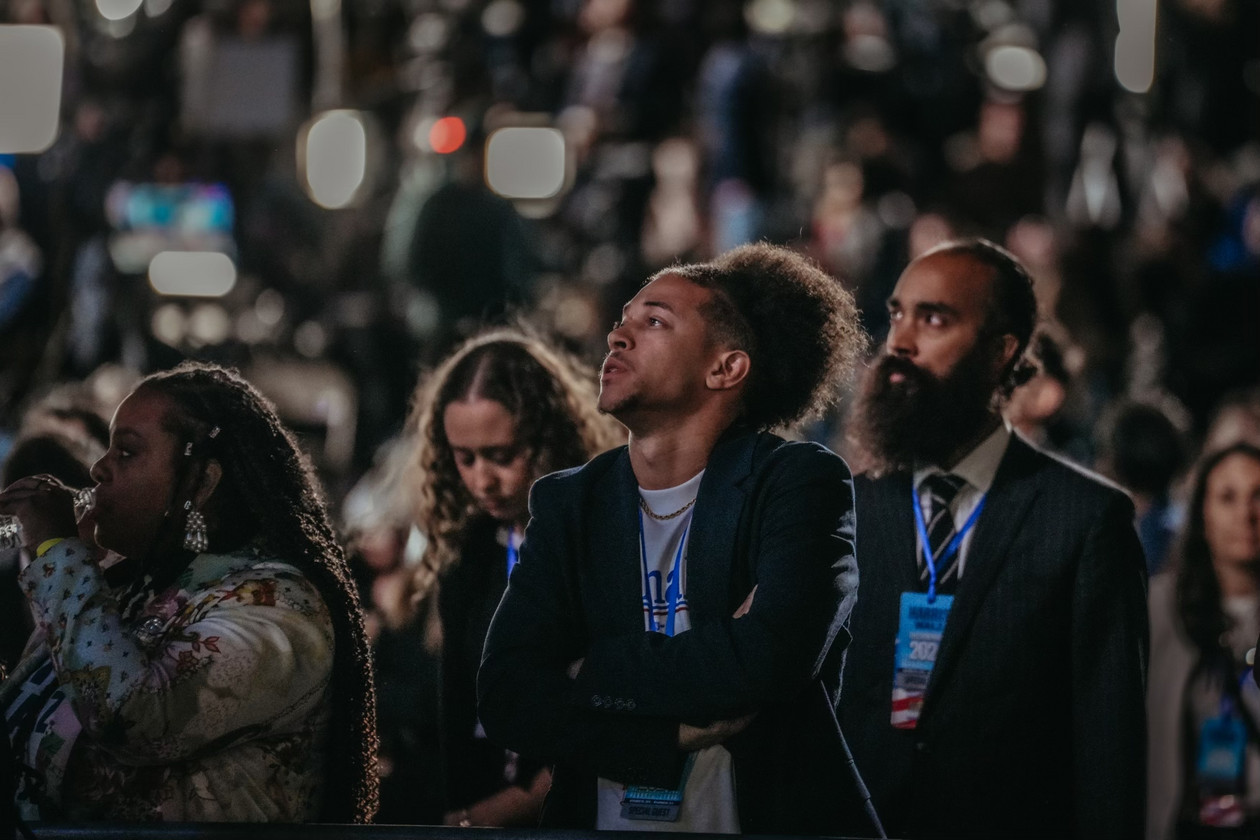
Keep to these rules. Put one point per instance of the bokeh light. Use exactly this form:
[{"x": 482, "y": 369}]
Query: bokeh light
[
  {"x": 502, "y": 18},
  {"x": 31, "y": 59},
  {"x": 525, "y": 162},
  {"x": 1015, "y": 68},
  {"x": 192, "y": 273},
  {"x": 118, "y": 9},
  {"x": 336, "y": 158},
  {"x": 1135, "y": 45},
  {"x": 447, "y": 135}
]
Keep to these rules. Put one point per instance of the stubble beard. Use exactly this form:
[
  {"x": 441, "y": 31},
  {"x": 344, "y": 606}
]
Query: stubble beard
[
  {"x": 617, "y": 408},
  {"x": 924, "y": 418}
]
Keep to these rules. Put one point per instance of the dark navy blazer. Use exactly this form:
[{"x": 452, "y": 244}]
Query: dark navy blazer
[{"x": 770, "y": 514}]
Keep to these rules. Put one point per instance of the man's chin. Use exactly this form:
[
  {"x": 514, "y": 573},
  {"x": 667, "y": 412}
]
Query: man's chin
[{"x": 611, "y": 404}]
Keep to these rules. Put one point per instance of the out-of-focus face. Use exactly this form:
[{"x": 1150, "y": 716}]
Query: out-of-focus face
[
  {"x": 1231, "y": 510},
  {"x": 495, "y": 467},
  {"x": 659, "y": 352},
  {"x": 136, "y": 476}
]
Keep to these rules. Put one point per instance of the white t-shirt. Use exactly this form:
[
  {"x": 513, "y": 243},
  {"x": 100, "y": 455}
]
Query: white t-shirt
[{"x": 708, "y": 804}]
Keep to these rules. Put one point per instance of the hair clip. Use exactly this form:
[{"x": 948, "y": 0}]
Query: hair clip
[
  {"x": 187, "y": 449},
  {"x": 187, "y": 504},
  {"x": 214, "y": 433}
]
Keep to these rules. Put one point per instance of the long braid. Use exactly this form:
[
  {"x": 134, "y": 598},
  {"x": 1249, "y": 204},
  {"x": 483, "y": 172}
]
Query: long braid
[{"x": 271, "y": 490}]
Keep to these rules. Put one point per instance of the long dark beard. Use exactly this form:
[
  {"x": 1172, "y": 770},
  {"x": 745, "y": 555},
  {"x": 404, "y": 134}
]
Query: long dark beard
[{"x": 923, "y": 419}]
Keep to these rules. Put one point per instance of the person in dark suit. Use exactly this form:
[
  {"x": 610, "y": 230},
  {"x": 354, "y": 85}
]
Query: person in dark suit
[
  {"x": 994, "y": 687},
  {"x": 673, "y": 633}
]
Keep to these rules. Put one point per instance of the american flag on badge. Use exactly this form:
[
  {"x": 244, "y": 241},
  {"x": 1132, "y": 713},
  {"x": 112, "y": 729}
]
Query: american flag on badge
[{"x": 906, "y": 706}]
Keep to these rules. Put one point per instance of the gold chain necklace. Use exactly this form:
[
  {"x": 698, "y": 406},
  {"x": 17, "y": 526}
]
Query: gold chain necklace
[{"x": 658, "y": 517}]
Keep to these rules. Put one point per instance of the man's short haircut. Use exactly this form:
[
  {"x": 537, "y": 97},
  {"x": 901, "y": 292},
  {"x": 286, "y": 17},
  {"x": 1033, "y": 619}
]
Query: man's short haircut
[
  {"x": 797, "y": 324},
  {"x": 1012, "y": 307}
]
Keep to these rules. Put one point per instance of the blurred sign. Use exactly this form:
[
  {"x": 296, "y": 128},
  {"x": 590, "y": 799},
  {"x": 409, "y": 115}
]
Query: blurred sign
[
  {"x": 240, "y": 89},
  {"x": 31, "y": 59},
  {"x": 149, "y": 219}
]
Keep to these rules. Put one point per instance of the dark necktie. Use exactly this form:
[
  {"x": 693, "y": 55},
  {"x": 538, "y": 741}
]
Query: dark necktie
[{"x": 940, "y": 491}]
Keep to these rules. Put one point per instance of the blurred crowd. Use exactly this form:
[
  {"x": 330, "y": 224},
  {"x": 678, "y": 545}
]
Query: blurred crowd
[{"x": 861, "y": 133}]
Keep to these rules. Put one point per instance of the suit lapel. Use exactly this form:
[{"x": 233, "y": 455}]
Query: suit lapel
[
  {"x": 1012, "y": 494},
  {"x": 891, "y": 508},
  {"x": 714, "y": 527},
  {"x": 613, "y": 549}
]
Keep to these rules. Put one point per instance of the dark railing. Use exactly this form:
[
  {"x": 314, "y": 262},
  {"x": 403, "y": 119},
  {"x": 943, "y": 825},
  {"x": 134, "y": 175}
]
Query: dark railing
[{"x": 273, "y": 831}]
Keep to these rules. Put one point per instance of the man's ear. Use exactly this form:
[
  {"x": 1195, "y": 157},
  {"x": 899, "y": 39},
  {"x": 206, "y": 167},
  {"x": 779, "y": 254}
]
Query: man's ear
[
  {"x": 729, "y": 369},
  {"x": 210, "y": 478},
  {"x": 1010, "y": 346}
]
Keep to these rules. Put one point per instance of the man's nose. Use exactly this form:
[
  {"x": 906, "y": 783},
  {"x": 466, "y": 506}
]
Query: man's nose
[
  {"x": 618, "y": 338},
  {"x": 900, "y": 340}
]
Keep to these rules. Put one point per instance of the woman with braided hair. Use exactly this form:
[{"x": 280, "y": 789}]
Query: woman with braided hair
[
  {"x": 227, "y": 676},
  {"x": 502, "y": 410}
]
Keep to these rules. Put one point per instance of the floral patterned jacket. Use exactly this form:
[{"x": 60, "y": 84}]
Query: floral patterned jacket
[{"x": 207, "y": 701}]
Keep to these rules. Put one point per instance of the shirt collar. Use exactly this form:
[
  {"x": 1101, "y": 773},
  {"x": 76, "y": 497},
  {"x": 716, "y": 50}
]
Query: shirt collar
[{"x": 979, "y": 466}]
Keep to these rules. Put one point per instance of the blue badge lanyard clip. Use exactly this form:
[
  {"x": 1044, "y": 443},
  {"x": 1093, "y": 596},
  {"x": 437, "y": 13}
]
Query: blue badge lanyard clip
[
  {"x": 671, "y": 589},
  {"x": 949, "y": 550}
]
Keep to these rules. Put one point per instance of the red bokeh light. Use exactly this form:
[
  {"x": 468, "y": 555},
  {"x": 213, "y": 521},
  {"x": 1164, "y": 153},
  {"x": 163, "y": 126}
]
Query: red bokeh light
[{"x": 447, "y": 135}]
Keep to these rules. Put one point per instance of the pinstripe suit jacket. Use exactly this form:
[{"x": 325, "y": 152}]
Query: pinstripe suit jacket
[{"x": 1033, "y": 723}]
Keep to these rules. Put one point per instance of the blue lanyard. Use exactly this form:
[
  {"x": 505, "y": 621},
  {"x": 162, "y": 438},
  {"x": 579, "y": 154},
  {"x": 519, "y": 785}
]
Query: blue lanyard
[
  {"x": 1227, "y": 701},
  {"x": 949, "y": 550},
  {"x": 671, "y": 590},
  {"x": 513, "y": 554}
]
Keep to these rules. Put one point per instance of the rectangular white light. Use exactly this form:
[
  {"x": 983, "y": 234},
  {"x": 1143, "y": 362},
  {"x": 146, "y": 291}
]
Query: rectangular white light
[
  {"x": 31, "y": 59},
  {"x": 525, "y": 162},
  {"x": 1135, "y": 45},
  {"x": 192, "y": 273}
]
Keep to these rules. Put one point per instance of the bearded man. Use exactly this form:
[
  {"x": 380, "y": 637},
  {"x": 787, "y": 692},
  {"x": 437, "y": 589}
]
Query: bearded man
[{"x": 994, "y": 687}]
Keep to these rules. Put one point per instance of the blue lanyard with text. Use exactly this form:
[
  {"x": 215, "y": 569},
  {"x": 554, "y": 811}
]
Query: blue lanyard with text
[
  {"x": 671, "y": 590},
  {"x": 949, "y": 549}
]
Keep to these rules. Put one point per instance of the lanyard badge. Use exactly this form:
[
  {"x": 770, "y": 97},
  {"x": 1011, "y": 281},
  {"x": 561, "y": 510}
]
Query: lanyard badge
[
  {"x": 656, "y": 804},
  {"x": 919, "y": 634},
  {"x": 921, "y": 626}
]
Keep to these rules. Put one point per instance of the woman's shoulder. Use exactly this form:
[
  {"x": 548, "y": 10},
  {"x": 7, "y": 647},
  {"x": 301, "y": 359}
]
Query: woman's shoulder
[{"x": 251, "y": 576}]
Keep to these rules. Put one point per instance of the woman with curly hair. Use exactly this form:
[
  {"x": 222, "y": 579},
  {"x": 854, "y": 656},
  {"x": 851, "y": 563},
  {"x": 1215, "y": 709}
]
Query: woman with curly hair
[
  {"x": 1203, "y": 706},
  {"x": 226, "y": 677},
  {"x": 501, "y": 411}
]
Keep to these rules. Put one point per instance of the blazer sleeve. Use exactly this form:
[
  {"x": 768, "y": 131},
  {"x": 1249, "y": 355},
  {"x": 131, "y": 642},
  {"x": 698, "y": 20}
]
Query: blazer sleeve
[
  {"x": 527, "y": 701},
  {"x": 802, "y": 556},
  {"x": 1109, "y": 662}
]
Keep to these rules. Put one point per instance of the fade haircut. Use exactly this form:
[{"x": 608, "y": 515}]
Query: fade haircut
[
  {"x": 1012, "y": 304},
  {"x": 798, "y": 325}
]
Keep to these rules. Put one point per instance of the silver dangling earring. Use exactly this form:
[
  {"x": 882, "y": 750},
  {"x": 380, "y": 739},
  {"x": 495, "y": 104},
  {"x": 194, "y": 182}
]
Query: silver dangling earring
[{"x": 195, "y": 538}]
